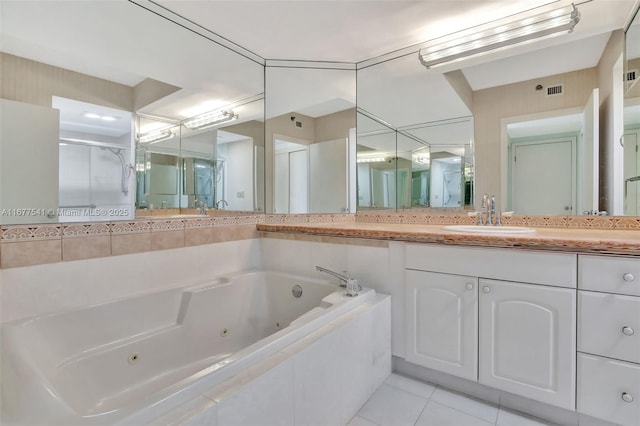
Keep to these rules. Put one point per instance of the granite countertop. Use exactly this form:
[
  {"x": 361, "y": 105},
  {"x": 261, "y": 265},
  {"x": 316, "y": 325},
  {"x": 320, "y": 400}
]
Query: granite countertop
[{"x": 596, "y": 241}]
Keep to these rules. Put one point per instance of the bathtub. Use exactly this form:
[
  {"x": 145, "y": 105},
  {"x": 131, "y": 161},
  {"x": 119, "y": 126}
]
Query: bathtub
[{"x": 106, "y": 363}]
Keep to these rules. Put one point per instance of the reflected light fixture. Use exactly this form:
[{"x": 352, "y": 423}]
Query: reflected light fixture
[
  {"x": 365, "y": 159},
  {"x": 156, "y": 136},
  {"x": 210, "y": 119},
  {"x": 467, "y": 44}
]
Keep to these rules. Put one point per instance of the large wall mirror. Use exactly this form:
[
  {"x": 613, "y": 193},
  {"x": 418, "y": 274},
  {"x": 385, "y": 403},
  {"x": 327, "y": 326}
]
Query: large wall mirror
[
  {"x": 415, "y": 139},
  {"x": 135, "y": 110},
  {"x": 537, "y": 126},
  {"x": 310, "y": 138},
  {"x": 631, "y": 141}
]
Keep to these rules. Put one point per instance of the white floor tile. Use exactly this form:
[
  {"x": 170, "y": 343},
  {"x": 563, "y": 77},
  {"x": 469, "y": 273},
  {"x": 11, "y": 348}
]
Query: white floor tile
[
  {"x": 466, "y": 404},
  {"x": 440, "y": 415},
  {"x": 509, "y": 418},
  {"x": 390, "y": 406},
  {"x": 415, "y": 387},
  {"x": 360, "y": 421}
]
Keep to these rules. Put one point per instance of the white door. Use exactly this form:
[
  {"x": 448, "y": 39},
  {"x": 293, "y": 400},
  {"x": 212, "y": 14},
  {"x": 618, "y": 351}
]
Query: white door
[
  {"x": 543, "y": 177},
  {"x": 299, "y": 182},
  {"x": 329, "y": 177},
  {"x": 441, "y": 322},
  {"x": 528, "y": 340},
  {"x": 29, "y": 134}
]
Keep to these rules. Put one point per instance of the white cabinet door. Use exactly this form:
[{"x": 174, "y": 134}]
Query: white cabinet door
[
  {"x": 528, "y": 340},
  {"x": 441, "y": 322}
]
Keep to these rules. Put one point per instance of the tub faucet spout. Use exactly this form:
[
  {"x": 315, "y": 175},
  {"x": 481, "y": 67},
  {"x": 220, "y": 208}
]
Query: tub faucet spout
[{"x": 350, "y": 283}]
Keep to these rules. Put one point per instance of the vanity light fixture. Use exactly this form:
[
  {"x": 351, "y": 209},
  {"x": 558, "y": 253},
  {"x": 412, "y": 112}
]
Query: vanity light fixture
[
  {"x": 467, "y": 43},
  {"x": 155, "y": 136},
  {"x": 209, "y": 119}
]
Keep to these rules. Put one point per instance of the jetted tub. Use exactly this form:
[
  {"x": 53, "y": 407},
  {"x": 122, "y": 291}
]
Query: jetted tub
[{"x": 101, "y": 364}]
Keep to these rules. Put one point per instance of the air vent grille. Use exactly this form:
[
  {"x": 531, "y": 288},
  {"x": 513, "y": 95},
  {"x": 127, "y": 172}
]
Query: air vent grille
[
  {"x": 631, "y": 75},
  {"x": 556, "y": 90}
]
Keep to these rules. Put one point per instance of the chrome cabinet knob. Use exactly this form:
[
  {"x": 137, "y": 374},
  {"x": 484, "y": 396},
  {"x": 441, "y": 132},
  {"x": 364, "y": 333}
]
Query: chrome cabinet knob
[
  {"x": 469, "y": 286},
  {"x": 486, "y": 289},
  {"x": 626, "y": 397},
  {"x": 627, "y": 330},
  {"x": 628, "y": 277}
]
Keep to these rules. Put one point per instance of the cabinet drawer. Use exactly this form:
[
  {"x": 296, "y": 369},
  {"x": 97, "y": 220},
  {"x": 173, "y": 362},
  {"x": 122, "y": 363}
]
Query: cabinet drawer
[
  {"x": 609, "y": 389},
  {"x": 609, "y": 325},
  {"x": 536, "y": 267},
  {"x": 611, "y": 274}
]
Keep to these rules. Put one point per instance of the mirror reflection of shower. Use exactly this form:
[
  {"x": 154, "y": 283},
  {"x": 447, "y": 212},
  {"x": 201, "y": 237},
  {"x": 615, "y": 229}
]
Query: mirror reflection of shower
[
  {"x": 95, "y": 162},
  {"x": 446, "y": 179}
]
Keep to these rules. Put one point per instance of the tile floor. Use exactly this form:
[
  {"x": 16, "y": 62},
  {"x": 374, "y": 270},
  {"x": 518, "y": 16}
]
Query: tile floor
[{"x": 401, "y": 401}]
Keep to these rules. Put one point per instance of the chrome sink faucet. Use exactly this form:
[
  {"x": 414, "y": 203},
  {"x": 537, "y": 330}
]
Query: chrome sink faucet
[
  {"x": 489, "y": 204},
  {"x": 350, "y": 283},
  {"x": 201, "y": 206}
]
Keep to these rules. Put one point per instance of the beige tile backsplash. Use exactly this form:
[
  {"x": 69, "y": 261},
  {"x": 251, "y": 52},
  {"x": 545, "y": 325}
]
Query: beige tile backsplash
[{"x": 25, "y": 245}]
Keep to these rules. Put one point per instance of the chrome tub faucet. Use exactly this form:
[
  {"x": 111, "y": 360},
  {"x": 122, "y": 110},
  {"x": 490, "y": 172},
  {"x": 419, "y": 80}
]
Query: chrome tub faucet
[{"x": 351, "y": 284}]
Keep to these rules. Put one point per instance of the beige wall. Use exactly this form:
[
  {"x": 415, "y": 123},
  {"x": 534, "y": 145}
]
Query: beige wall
[
  {"x": 335, "y": 126},
  {"x": 24, "y": 80},
  {"x": 149, "y": 91},
  {"x": 634, "y": 64},
  {"x": 491, "y": 106},
  {"x": 459, "y": 82}
]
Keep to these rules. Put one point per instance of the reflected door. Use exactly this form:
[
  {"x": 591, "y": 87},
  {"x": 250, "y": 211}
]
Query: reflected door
[
  {"x": 292, "y": 182},
  {"x": 543, "y": 177},
  {"x": 631, "y": 173},
  {"x": 329, "y": 177}
]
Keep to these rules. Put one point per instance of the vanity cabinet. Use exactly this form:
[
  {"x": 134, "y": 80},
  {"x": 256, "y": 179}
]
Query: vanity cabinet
[
  {"x": 522, "y": 304},
  {"x": 609, "y": 338}
]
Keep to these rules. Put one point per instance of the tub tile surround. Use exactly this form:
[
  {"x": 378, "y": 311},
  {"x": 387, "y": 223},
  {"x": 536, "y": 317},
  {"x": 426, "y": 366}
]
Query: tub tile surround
[{"x": 27, "y": 245}]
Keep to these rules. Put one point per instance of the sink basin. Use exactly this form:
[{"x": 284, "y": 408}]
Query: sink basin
[{"x": 475, "y": 229}]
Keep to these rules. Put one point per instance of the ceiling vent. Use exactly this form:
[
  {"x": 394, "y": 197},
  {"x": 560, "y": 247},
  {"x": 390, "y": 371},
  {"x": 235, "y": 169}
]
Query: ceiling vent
[
  {"x": 556, "y": 90},
  {"x": 631, "y": 75}
]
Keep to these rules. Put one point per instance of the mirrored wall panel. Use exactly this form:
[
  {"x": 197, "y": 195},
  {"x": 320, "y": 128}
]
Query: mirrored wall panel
[
  {"x": 98, "y": 161},
  {"x": 376, "y": 163},
  {"x": 424, "y": 128},
  {"x": 533, "y": 132},
  {"x": 631, "y": 142},
  {"x": 310, "y": 140}
]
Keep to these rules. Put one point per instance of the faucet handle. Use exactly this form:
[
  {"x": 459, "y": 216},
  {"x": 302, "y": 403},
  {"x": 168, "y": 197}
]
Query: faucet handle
[
  {"x": 478, "y": 215},
  {"x": 352, "y": 287}
]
